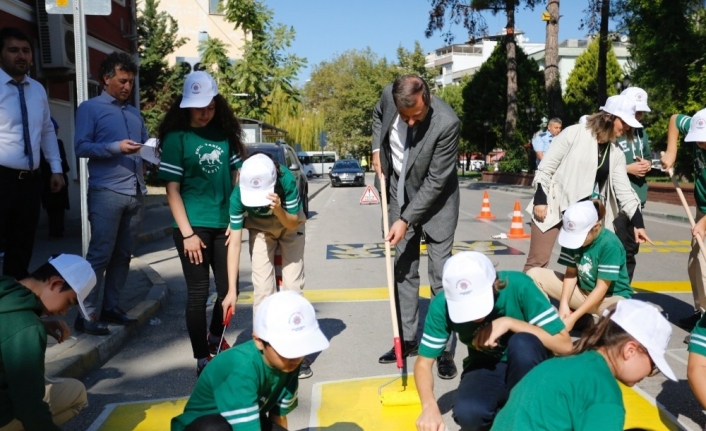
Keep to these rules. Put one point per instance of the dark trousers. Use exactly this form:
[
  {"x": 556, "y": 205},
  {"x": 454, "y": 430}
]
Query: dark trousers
[
  {"x": 484, "y": 390},
  {"x": 219, "y": 423},
  {"x": 198, "y": 283},
  {"x": 19, "y": 215},
  {"x": 626, "y": 232},
  {"x": 55, "y": 219}
]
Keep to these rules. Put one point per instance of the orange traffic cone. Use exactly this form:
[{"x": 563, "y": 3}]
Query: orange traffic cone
[
  {"x": 516, "y": 229},
  {"x": 485, "y": 209}
]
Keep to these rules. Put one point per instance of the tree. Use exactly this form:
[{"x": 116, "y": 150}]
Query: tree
[
  {"x": 453, "y": 96},
  {"x": 468, "y": 13},
  {"x": 266, "y": 68},
  {"x": 345, "y": 90},
  {"x": 484, "y": 101},
  {"x": 581, "y": 95},
  {"x": 414, "y": 62},
  {"x": 159, "y": 82},
  {"x": 552, "y": 82}
]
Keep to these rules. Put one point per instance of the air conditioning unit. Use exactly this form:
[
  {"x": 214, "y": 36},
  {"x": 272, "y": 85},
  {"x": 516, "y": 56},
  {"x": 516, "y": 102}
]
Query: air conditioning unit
[{"x": 56, "y": 39}]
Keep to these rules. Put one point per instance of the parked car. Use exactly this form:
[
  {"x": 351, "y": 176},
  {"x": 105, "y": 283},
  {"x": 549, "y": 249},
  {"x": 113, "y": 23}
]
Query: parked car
[
  {"x": 286, "y": 156},
  {"x": 347, "y": 171}
]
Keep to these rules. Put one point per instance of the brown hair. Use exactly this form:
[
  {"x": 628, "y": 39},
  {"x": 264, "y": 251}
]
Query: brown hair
[
  {"x": 600, "y": 208},
  {"x": 605, "y": 334},
  {"x": 406, "y": 88},
  {"x": 601, "y": 125}
]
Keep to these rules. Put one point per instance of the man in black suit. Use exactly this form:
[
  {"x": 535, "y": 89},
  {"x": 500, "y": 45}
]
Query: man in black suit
[{"x": 415, "y": 146}]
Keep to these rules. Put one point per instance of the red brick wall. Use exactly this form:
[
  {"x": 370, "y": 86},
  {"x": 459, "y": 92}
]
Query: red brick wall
[{"x": 666, "y": 193}]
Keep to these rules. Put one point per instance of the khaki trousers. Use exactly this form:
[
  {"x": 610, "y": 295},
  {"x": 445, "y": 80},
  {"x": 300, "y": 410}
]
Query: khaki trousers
[
  {"x": 266, "y": 235},
  {"x": 551, "y": 284},
  {"x": 66, "y": 397},
  {"x": 697, "y": 272}
]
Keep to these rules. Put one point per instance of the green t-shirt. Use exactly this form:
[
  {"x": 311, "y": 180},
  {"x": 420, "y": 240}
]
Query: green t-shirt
[
  {"x": 604, "y": 258},
  {"x": 572, "y": 393},
  {"x": 520, "y": 299},
  {"x": 240, "y": 386},
  {"x": 286, "y": 188},
  {"x": 683, "y": 124},
  {"x": 199, "y": 159},
  {"x": 697, "y": 341},
  {"x": 639, "y": 147}
]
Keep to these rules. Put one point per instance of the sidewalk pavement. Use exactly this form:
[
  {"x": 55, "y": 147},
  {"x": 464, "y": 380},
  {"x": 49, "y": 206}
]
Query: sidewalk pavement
[{"x": 142, "y": 299}]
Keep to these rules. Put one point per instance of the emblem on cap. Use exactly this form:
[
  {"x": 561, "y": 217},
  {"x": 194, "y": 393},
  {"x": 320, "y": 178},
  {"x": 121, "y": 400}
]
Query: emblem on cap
[
  {"x": 571, "y": 225},
  {"x": 638, "y": 96},
  {"x": 196, "y": 88},
  {"x": 700, "y": 123},
  {"x": 463, "y": 285},
  {"x": 255, "y": 182},
  {"x": 295, "y": 321}
]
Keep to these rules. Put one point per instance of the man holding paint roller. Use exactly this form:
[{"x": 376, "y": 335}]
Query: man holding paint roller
[
  {"x": 695, "y": 130},
  {"x": 509, "y": 327},
  {"x": 415, "y": 146}
]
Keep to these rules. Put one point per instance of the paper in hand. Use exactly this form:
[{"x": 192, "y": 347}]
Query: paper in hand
[{"x": 147, "y": 151}]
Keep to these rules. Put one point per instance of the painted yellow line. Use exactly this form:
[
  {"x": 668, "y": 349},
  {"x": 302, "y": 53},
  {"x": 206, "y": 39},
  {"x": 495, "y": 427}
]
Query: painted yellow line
[
  {"x": 380, "y": 293},
  {"x": 143, "y": 416},
  {"x": 641, "y": 413},
  {"x": 662, "y": 286}
]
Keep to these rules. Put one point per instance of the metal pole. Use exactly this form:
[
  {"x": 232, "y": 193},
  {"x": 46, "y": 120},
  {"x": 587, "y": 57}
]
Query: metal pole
[{"x": 81, "y": 95}]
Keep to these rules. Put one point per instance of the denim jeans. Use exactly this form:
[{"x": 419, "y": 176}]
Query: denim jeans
[
  {"x": 484, "y": 390},
  {"x": 114, "y": 219}
]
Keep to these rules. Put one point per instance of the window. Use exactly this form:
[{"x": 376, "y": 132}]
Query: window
[{"x": 214, "y": 7}]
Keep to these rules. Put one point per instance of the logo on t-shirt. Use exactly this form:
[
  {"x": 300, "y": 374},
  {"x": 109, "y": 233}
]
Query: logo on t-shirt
[
  {"x": 585, "y": 267},
  {"x": 209, "y": 157}
]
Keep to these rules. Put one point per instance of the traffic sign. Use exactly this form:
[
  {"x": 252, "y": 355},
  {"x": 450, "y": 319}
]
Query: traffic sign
[
  {"x": 322, "y": 139},
  {"x": 93, "y": 7},
  {"x": 369, "y": 196}
]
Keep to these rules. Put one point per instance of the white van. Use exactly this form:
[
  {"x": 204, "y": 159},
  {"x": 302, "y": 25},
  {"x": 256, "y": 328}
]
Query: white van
[{"x": 320, "y": 162}]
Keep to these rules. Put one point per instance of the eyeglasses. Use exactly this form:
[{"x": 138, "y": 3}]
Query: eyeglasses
[{"x": 654, "y": 370}]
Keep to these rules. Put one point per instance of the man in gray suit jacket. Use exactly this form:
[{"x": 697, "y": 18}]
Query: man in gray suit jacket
[{"x": 415, "y": 146}]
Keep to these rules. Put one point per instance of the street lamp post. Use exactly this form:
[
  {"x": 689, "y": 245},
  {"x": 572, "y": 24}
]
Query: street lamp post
[
  {"x": 530, "y": 110},
  {"x": 623, "y": 84},
  {"x": 485, "y": 142}
]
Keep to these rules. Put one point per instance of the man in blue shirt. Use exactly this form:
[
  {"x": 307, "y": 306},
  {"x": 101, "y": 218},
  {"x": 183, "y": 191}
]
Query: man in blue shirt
[
  {"x": 109, "y": 132},
  {"x": 542, "y": 141}
]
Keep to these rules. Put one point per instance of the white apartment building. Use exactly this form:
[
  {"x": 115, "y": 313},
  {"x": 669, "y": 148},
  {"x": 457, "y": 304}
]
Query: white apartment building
[
  {"x": 200, "y": 20},
  {"x": 457, "y": 61}
]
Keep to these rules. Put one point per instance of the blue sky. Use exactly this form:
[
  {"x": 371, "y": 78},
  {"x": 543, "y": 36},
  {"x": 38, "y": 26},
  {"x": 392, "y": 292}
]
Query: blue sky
[{"x": 326, "y": 28}]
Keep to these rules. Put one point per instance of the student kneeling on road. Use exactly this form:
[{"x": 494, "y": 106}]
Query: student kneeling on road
[
  {"x": 596, "y": 274},
  {"x": 27, "y": 401},
  {"x": 508, "y": 326},
  {"x": 254, "y": 385},
  {"x": 579, "y": 392}
]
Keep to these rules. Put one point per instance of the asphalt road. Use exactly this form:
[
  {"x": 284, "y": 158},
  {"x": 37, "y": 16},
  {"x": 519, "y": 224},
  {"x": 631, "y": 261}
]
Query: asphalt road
[{"x": 158, "y": 363}]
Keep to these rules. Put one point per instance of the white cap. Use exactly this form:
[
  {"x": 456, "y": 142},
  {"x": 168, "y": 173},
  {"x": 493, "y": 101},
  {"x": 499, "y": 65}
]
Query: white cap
[
  {"x": 288, "y": 322},
  {"x": 646, "y": 325},
  {"x": 697, "y": 129},
  {"x": 78, "y": 274},
  {"x": 258, "y": 176},
  {"x": 577, "y": 220},
  {"x": 623, "y": 107},
  {"x": 583, "y": 119},
  {"x": 468, "y": 286},
  {"x": 199, "y": 89},
  {"x": 639, "y": 96}
]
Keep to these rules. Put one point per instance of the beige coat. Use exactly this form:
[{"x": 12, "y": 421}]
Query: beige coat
[{"x": 567, "y": 174}]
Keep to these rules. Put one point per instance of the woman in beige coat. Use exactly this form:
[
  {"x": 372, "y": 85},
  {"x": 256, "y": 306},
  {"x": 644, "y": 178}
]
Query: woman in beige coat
[{"x": 583, "y": 163}]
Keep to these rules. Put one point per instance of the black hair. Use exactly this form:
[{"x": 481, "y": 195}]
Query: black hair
[
  {"x": 118, "y": 60},
  {"x": 47, "y": 271},
  {"x": 178, "y": 118},
  {"x": 214, "y": 422},
  {"x": 406, "y": 88},
  {"x": 13, "y": 33}
]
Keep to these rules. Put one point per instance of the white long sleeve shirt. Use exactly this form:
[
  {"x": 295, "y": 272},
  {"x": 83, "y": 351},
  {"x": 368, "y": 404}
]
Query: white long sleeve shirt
[{"x": 41, "y": 129}]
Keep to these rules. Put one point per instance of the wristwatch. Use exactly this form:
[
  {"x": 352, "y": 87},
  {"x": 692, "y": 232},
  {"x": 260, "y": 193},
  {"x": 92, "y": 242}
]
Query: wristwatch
[{"x": 405, "y": 221}]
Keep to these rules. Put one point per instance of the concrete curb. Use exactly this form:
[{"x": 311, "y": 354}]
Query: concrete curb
[{"x": 85, "y": 353}]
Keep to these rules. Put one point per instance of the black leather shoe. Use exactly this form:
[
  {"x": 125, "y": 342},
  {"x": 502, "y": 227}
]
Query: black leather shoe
[
  {"x": 688, "y": 323},
  {"x": 409, "y": 348},
  {"x": 117, "y": 316},
  {"x": 445, "y": 366},
  {"x": 91, "y": 327}
]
